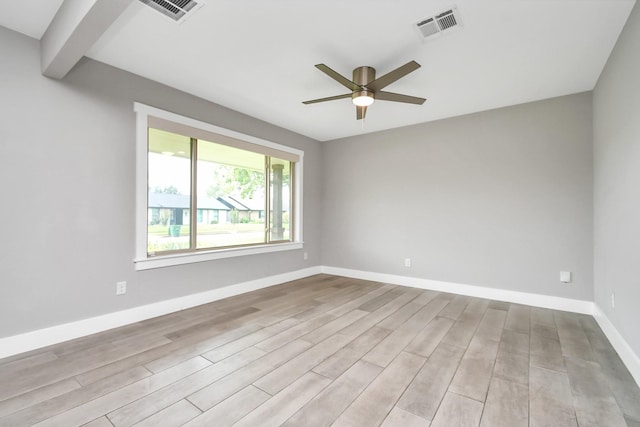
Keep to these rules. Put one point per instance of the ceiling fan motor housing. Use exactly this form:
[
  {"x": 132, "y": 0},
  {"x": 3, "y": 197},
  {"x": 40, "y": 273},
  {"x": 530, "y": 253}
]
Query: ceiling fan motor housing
[{"x": 363, "y": 76}]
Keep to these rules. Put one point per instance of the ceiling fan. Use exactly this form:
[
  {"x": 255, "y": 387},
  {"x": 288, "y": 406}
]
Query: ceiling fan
[{"x": 365, "y": 88}]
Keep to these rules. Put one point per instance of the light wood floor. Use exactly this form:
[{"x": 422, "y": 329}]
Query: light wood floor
[{"x": 327, "y": 351}]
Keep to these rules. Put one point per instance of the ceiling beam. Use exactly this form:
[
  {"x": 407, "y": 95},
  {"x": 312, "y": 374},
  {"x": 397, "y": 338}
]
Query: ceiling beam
[{"x": 77, "y": 25}]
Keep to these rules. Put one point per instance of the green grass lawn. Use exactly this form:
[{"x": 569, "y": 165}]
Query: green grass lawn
[
  {"x": 163, "y": 230},
  {"x": 228, "y": 235}
]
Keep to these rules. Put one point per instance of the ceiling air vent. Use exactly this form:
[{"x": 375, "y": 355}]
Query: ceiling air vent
[
  {"x": 177, "y": 10},
  {"x": 436, "y": 25}
]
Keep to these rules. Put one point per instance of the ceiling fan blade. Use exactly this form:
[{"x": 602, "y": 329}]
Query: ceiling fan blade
[
  {"x": 392, "y": 76},
  {"x": 360, "y": 112},
  {"x": 338, "y": 77},
  {"x": 396, "y": 97},
  {"x": 329, "y": 98}
]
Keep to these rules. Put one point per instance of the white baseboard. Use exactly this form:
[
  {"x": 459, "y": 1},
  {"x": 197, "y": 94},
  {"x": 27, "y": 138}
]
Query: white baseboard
[
  {"x": 56, "y": 334},
  {"x": 537, "y": 300},
  {"x": 626, "y": 353}
]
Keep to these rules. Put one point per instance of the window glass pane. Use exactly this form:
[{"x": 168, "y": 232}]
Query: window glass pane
[
  {"x": 231, "y": 196},
  {"x": 169, "y": 191},
  {"x": 280, "y": 206}
]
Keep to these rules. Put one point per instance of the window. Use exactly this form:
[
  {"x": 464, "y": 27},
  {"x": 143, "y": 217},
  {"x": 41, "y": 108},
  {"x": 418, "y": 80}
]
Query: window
[{"x": 205, "y": 192}]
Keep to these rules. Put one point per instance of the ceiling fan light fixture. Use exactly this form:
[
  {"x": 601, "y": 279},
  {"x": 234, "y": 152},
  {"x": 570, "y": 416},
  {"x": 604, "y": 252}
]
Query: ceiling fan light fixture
[{"x": 363, "y": 98}]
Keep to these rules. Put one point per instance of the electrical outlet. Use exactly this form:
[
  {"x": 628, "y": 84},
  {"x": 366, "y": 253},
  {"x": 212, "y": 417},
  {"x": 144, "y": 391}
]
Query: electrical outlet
[
  {"x": 121, "y": 288},
  {"x": 407, "y": 262},
  {"x": 565, "y": 276},
  {"x": 306, "y": 255}
]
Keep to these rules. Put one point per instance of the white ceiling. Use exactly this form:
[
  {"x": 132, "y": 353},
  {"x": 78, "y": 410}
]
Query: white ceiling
[
  {"x": 30, "y": 17},
  {"x": 258, "y": 57}
]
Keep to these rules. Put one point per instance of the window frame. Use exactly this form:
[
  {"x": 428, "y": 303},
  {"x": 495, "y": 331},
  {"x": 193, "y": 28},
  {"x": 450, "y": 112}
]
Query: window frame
[{"x": 142, "y": 260}]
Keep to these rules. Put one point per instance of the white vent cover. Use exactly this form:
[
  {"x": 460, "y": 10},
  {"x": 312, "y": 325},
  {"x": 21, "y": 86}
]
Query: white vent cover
[
  {"x": 436, "y": 25},
  {"x": 177, "y": 10}
]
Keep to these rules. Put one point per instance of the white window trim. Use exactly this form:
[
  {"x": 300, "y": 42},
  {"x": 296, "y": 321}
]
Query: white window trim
[{"x": 144, "y": 262}]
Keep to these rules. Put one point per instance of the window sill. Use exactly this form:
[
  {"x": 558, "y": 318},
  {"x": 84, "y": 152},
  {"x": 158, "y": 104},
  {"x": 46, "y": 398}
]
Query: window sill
[{"x": 189, "y": 258}]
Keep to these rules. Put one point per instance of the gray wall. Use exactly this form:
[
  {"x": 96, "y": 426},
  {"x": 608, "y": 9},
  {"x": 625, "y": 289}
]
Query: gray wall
[
  {"x": 501, "y": 198},
  {"x": 616, "y": 105},
  {"x": 67, "y": 172}
]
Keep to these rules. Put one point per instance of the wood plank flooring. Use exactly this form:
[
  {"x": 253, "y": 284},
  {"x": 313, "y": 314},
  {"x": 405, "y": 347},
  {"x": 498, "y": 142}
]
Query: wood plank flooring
[{"x": 330, "y": 351}]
